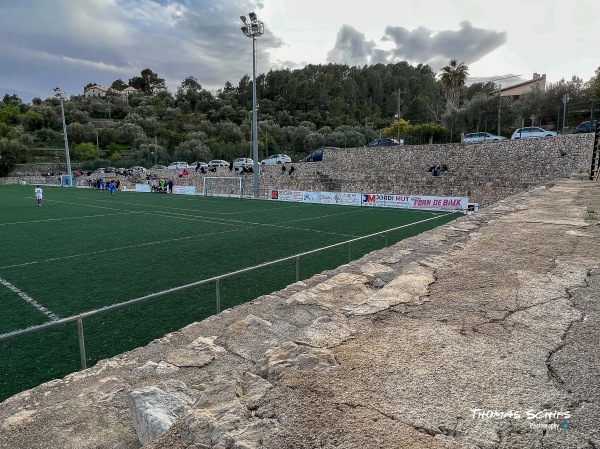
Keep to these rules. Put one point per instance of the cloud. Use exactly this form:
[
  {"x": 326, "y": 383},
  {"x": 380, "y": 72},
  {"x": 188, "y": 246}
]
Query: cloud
[
  {"x": 419, "y": 46},
  {"x": 351, "y": 48},
  {"x": 70, "y": 44},
  {"x": 468, "y": 44}
]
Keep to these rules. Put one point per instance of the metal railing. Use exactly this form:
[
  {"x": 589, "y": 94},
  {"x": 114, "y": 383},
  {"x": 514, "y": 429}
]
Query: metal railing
[{"x": 216, "y": 279}]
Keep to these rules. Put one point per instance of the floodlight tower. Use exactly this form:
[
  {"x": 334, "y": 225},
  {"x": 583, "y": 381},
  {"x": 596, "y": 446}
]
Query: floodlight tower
[
  {"x": 254, "y": 28},
  {"x": 61, "y": 95}
]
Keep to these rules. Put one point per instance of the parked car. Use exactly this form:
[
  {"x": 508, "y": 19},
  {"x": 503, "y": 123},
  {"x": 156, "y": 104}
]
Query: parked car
[
  {"x": 177, "y": 165},
  {"x": 316, "y": 156},
  {"x": 159, "y": 167},
  {"x": 532, "y": 132},
  {"x": 195, "y": 165},
  {"x": 138, "y": 169},
  {"x": 276, "y": 159},
  {"x": 243, "y": 162},
  {"x": 218, "y": 163},
  {"x": 586, "y": 127},
  {"x": 386, "y": 142},
  {"x": 110, "y": 170},
  {"x": 482, "y": 137}
]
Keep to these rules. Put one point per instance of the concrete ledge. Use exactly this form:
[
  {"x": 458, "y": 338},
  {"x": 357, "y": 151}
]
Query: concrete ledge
[{"x": 446, "y": 340}]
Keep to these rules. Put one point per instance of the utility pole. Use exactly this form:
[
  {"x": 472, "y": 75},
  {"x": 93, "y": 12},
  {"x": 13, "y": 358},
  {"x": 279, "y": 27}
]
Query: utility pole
[
  {"x": 499, "y": 104},
  {"x": 565, "y": 100},
  {"x": 399, "y": 93}
]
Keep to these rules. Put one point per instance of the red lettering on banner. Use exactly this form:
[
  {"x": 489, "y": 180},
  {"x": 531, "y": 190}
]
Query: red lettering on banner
[
  {"x": 401, "y": 198},
  {"x": 371, "y": 199}
]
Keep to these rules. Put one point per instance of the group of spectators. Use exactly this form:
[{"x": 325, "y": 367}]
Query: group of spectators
[
  {"x": 290, "y": 171},
  {"x": 161, "y": 185},
  {"x": 437, "y": 170},
  {"x": 102, "y": 183}
]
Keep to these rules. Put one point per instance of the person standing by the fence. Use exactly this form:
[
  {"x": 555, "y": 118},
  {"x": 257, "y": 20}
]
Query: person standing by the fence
[{"x": 38, "y": 194}]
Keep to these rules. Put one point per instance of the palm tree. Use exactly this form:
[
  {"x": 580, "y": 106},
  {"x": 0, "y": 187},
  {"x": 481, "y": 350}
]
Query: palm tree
[{"x": 453, "y": 79}]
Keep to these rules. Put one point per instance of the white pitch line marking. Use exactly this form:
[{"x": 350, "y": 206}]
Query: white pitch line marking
[
  {"x": 73, "y": 256},
  {"x": 64, "y": 218},
  {"x": 29, "y": 299}
]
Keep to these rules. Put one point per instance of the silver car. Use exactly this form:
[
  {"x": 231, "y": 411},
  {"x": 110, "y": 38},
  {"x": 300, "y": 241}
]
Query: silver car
[
  {"x": 482, "y": 137},
  {"x": 532, "y": 132}
]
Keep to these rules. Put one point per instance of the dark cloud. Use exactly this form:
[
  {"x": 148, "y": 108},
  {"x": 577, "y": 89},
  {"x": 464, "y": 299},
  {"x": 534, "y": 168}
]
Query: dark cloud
[
  {"x": 424, "y": 46},
  {"x": 351, "y": 48},
  {"x": 70, "y": 44},
  {"x": 468, "y": 44}
]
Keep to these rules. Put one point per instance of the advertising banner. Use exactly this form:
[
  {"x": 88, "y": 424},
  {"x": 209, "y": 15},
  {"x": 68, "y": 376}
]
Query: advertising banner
[
  {"x": 385, "y": 200},
  {"x": 311, "y": 197},
  {"x": 142, "y": 188},
  {"x": 439, "y": 202},
  {"x": 184, "y": 190},
  {"x": 287, "y": 195},
  {"x": 399, "y": 201},
  {"x": 341, "y": 198},
  {"x": 414, "y": 201}
]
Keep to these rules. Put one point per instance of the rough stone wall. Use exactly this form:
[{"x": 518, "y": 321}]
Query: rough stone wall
[{"x": 485, "y": 172}]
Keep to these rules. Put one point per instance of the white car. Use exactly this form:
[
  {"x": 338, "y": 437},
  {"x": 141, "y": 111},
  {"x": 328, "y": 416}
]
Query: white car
[
  {"x": 218, "y": 163},
  {"x": 138, "y": 169},
  {"x": 243, "y": 162},
  {"x": 482, "y": 137},
  {"x": 277, "y": 159},
  {"x": 531, "y": 132},
  {"x": 177, "y": 165}
]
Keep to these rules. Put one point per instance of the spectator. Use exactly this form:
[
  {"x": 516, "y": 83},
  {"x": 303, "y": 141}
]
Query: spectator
[
  {"x": 231, "y": 165},
  {"x": 292, "y": 170},
  {"x": 283, "y": 168}
]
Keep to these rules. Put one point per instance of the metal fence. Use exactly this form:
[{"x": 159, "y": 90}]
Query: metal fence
[{"x": 216, "y": 279}]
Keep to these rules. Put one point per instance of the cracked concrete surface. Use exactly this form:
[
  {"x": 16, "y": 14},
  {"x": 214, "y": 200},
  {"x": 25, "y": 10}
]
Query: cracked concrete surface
[{"x": 451, "y": 339}]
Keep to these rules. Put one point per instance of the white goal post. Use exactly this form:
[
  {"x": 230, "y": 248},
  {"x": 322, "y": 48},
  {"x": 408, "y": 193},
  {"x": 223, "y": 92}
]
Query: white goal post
[{"x": 223, "y": 186}]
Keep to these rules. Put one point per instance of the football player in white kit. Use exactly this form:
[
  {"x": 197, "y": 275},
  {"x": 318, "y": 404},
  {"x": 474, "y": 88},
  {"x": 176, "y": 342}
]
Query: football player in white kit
[{"x": 38, "y": 195}]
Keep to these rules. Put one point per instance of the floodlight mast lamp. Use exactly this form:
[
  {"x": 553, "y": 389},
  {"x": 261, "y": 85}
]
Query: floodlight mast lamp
[
  {"x": 254, "y": 28},
  {"x": 59, "y": 94}
]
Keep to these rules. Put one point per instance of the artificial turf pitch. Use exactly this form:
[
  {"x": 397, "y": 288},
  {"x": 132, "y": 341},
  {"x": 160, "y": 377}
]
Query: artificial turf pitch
[{"x": 82, "y": 250}]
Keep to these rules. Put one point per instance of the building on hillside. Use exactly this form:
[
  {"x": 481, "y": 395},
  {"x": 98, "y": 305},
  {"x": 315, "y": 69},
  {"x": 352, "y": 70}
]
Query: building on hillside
[
  {"x": 100, "y": 91},
  {"x": 516, "y": 90},
  {"x": 95, "y": 91}
]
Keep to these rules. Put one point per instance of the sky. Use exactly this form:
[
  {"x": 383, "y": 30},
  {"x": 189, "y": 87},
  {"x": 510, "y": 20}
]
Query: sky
[{"x": 69, "y": 43}]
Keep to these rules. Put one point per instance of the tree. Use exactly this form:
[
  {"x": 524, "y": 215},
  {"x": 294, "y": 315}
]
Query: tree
[
  {"x": 453, "y": 79},
  {"x": 85, "y": 152},
  {"x": 118, "y": 85},
  {"x": 149, "y": 82},
  {"x": 12, "y": 152},
  {"x": 88, "y": 85}
]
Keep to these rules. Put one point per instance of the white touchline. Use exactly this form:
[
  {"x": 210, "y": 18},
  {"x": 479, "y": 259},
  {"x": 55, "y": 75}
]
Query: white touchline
[{"x": 29, "y": 299}]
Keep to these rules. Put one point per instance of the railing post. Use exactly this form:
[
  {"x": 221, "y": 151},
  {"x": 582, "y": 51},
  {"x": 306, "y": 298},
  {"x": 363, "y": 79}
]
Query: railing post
[
  {"x": 81, "y": 343},
  {"x": 218, "y": 296},
  {"x": 297, "y": 268},
  {"x": 414, "y": 229},
  {"x": 349, "y": 252}
]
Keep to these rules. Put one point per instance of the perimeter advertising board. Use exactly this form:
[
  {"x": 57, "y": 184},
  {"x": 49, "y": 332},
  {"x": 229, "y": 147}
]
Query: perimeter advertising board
[
  {"x": 341, "y": 198},
  {"x": 142, "y": 188},
  {"x": 439, "y": 203},
  {"x": 184, "y": 190}
]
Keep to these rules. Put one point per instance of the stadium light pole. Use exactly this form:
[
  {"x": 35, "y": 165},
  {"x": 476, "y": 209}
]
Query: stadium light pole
[
  {"x": 254, "y": 28},
  {"x": 61, "y": 95}
]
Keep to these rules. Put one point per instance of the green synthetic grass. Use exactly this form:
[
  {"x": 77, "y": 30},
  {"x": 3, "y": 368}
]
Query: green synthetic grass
[{"x": 83, "y": 250}]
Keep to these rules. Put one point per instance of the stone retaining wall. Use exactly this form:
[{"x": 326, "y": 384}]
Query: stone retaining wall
[{"x": 484, "y": 172}]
